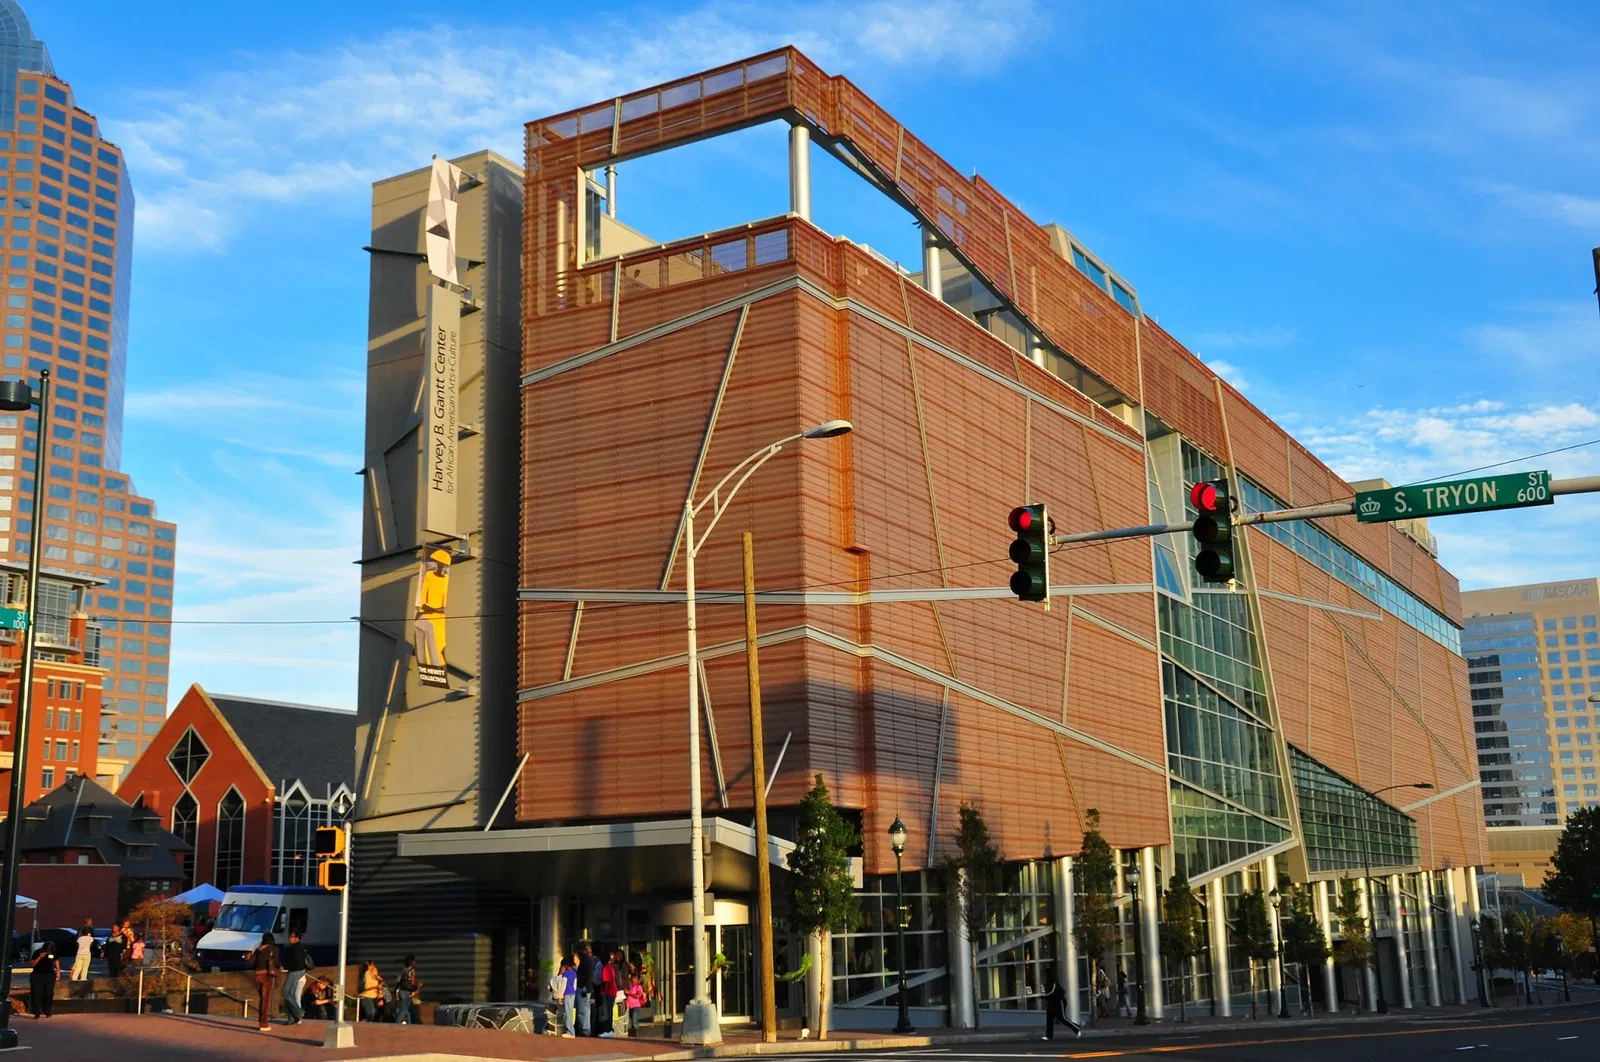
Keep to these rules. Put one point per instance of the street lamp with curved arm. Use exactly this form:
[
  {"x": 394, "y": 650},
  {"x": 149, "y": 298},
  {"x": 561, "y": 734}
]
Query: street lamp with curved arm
[
  {"x": 701, "y": 1023},
  {"x": 1372, "y": 908}
]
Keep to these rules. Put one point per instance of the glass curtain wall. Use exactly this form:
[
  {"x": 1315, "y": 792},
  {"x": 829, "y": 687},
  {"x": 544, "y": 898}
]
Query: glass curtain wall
[
  {"x": 1345, "y": 827},
  {"x": 868, "y": 957}
]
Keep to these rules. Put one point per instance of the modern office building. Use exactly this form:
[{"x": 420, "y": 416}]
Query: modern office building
[
  {"x": 66, "y": 202},
  {"x": 1305, "y": 722},
  {"x": 1533, "y": 659}
]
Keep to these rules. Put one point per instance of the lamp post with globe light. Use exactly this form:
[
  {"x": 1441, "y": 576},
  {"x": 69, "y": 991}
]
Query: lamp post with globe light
[
  {"x": 897, "y": 840},
  {"x": 1132, "y": 876},
  {"x": 1283, "y": 980},
  {"x": 16, "y": 396}
]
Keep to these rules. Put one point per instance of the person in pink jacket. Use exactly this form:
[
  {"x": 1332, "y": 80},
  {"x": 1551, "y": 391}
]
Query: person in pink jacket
[{"x": 636, "y": 1001}]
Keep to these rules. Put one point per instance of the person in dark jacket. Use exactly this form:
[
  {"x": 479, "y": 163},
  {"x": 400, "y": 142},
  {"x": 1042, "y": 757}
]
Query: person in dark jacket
[
  {"x": 1055, "y": 1009},
  {"x": 111, "y": 950},
  {"x": 296, "y": 961},
  {"x": 588, "y": 966},
  {"x": 265, "y": 963},
  {"x": 42, "y": 983}
]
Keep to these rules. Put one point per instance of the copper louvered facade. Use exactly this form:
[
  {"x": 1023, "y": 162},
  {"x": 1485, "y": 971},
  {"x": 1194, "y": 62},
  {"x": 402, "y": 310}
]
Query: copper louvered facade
[{"x": 905, "y": 707}]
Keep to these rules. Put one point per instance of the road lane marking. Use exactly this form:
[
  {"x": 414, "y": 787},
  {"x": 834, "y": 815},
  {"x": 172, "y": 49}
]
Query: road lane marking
[
  {"x": 1174, "y": 1048},
  {"x": 1566, "y": 1038}
]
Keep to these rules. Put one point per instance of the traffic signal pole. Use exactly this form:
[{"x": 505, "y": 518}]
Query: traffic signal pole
[
  {"x": 341, "y": 1033},
  {"x": 1578, "y": 485}
]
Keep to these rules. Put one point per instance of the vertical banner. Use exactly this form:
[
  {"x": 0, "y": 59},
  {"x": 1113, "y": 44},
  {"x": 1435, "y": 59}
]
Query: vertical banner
[
  {"x": 439, "y": 421},
  {"x": 427, "y": 629}
]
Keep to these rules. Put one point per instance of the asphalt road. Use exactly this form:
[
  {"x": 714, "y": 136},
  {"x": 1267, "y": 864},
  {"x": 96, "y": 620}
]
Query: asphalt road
[{"x": 1539, "y": 1034}]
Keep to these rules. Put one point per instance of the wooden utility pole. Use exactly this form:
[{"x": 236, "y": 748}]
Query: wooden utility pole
[{"x": 758, "y": 782}]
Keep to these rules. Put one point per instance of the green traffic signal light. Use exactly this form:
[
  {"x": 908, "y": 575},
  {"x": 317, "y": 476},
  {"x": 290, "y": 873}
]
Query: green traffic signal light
[{"x": 1031, "y": 553}]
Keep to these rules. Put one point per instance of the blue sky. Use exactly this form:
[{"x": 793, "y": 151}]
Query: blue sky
[{"x": 1375, "y": 219}]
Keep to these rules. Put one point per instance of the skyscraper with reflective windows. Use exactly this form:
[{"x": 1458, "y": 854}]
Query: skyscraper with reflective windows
[
  {"x": 66, "y": 204},
  {"x": 1533, "y": 661}
]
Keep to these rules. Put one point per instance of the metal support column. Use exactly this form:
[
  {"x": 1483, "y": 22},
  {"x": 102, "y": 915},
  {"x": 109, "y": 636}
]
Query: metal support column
[
  {"x": 1150, "y": 929},
  {"x": 1217, "y": 926},
  {"x": 1453, "y": 909},
  {"x": 1324, "y": 905},
  {"x": 961, "y": 1016},
  {"x": 1367, "y": 909},
  {"x": 1269, "y": 882},
  {"x": 1397, "y": 912},
  {"x": 611, "y": 192},
  {"x": 1065, "y": 921},
  {"x": 932, "y": 273},
  {"x": 1430, "y": 948},
  {"x": 800, "y": 170}
]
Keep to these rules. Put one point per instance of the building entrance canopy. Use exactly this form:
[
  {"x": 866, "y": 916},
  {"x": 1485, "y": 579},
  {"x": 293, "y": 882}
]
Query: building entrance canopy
[{"x": 634, "y": 858}]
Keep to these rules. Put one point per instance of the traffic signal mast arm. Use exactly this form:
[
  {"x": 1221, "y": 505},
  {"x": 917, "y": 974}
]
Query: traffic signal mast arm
[{"x": 1579, "y": 485}]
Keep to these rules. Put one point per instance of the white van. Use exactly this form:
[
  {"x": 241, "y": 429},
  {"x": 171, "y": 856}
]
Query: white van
[{"x": 251, "y": 910}]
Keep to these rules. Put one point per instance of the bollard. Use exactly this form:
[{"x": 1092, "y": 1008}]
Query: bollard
[
  {"x": 138, "y": 1007},
  {"x": 187, "y": 981}
]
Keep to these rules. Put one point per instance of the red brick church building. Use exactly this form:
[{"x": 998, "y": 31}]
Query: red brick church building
[{"x": 245, "y": 781}]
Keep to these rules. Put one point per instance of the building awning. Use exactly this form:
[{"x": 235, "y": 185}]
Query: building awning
[{"x": 605, "y": 859}]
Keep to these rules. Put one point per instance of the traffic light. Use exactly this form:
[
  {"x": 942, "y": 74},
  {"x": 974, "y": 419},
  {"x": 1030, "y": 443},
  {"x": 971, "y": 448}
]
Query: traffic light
[
  {"x": 329, "y": 841},
  {"x": 1213, "y": 530},
  {"x": 333, "y": 874},
  {"x": 1031, "y": 552}
]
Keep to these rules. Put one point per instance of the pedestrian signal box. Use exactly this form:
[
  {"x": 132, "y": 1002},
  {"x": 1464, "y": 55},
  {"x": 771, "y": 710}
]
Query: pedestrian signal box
[
  {"x": 329, "y": 841},
  {"x": 333, "y": 874}
]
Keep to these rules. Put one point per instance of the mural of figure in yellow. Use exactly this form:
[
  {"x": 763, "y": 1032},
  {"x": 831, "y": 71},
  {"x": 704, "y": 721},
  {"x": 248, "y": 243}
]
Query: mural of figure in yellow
[{"x": 433, "y": 590}]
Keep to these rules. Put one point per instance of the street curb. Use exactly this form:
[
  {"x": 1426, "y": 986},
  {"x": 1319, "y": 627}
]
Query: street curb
[{"x": 1164, "y": 1028}]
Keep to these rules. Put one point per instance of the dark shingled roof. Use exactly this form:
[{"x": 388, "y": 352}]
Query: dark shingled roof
[
  {"x": 295, "y": 741},
  {"x": 133, "y": 836}
]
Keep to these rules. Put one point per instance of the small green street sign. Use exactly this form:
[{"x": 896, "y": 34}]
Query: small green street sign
[
  {"x": 1456, "y": 496},
  {"x": 13, "y": 619}
]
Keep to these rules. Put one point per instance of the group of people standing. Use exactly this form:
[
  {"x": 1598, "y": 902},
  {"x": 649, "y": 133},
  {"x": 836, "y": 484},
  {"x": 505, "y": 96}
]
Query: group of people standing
[
  {"x": 593, "y": 996},
  {"x": 304, "y": 995}
]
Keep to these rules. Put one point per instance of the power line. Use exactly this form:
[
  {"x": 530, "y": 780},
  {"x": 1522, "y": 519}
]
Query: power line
[{"x": 805, "y": 586}]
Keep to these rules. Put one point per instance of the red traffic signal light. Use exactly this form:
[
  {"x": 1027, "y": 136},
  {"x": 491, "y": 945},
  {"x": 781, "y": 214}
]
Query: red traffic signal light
[
  {"x": 1213, "y": 531},
  {"x": 1022, "y": 518},
  {"x": 1031, "y": 553}
]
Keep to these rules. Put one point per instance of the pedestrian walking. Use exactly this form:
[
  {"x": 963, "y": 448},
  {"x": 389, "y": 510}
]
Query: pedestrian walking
[
  {"x": 1102, "y": 992},
  {"x": 264, "y": 961},
  {"x": 406, "y": 987},
  {"x": 586, "y": 990},
  {"x": 42, "y": 982},
  {"x": 80, "y": 961},
  {"x": 1123, "y": 1009},
  {"x": 296, "y": 962},
  {"x": 372, "y": 986},
  {"x": 1055, "y": 1009},
  {"x": 636, "y": 1001}
]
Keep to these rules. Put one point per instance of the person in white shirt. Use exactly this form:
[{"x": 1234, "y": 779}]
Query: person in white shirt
[{"x": 80, "y": 963}]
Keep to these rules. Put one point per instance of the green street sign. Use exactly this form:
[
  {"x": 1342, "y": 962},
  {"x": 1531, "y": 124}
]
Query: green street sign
[
  {"x": 13, "y": 619},
  {"x": 1477, "y": 495}
]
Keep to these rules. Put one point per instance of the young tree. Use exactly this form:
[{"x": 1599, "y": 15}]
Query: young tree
[
  {"x": 1252, "y": 930},
  {"x": 822, "y": 895},
  {"x": 1355, "y": 950},
  {"x": 971, "y": 882},
  {"x": 1573, "y": 883},
  {"x": 1303, "y": 942},
  {"x": 1096, "y": 872},
  {"x": 159, "y": 924},
  {"x": 1491, "y": 951},
  {"x": 1520, "y": 944},
  {"x": 1180, "y": 934}
]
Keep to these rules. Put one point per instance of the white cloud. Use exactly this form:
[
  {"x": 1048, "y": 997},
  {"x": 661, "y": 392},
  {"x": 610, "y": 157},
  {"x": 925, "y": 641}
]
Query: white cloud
[
  {"x": 1245, "y": 339},
  {"x": 1581, "y": 212},
  {"x": 1230, "y": 372},
  {"x": 292, "y": 128}
]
